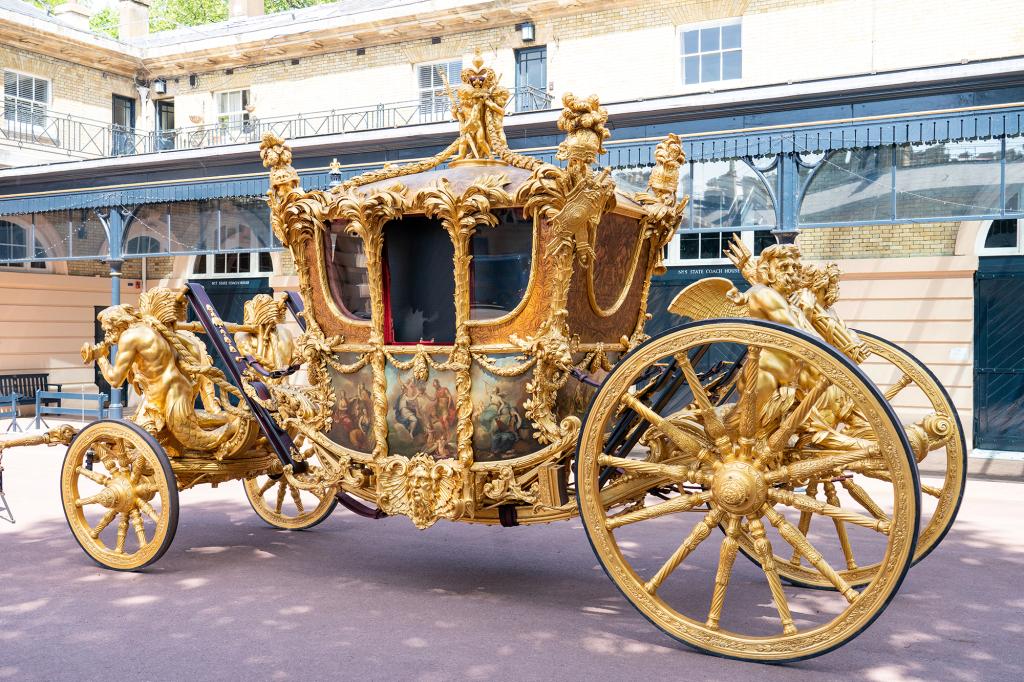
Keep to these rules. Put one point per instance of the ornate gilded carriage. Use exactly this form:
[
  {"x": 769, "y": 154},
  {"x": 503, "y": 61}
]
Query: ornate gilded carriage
[{"x": 472, "y": 338}]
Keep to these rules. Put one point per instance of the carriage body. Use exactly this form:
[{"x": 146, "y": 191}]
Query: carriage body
[{"x": 474, "y": 350}]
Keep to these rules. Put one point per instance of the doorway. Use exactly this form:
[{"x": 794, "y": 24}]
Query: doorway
[
  {"x": 532, "y": 78},
  {"x": 122, "y": 117},
  {"x": 164, "y": 125}
]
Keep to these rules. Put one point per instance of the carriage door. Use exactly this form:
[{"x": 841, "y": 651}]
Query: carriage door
[{"x": 999, "y": 354}]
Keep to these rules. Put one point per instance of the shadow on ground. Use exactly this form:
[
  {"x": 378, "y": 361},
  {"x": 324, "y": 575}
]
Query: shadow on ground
[{"x": 234, "y": 599}]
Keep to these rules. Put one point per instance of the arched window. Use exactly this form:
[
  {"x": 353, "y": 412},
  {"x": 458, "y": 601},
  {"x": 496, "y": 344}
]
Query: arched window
[
  {"x": 142, "y": 245},
  {"x": 1002, "y": 238},
  {"x": 14, "y": 246}
]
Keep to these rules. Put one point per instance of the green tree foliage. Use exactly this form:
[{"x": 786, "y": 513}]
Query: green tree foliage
[
  {"x": 105, "y": 22},
  {"x": 165, "y": 15}
]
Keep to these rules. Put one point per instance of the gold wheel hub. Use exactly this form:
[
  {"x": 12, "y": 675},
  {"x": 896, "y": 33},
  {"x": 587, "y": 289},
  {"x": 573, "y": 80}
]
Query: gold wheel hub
[
  {"x": 122, "y": 493},
  {"x": 739, "y": 488}
]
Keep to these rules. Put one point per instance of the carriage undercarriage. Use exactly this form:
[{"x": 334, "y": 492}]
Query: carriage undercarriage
[{"x": 758, "y": 427}]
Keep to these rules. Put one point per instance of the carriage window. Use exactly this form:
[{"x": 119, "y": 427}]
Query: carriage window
[
  {"x": 348, "y": 279},
  {"x": 500, "y": 269},
  {"x": 420, "y": 281}
]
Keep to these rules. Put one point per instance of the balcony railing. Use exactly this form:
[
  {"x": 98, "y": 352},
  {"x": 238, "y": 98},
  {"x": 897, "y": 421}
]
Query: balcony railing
[{"x": 81, "y": 137}]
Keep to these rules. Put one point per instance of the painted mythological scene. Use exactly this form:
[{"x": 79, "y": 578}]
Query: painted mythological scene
[
  {"x": 501, "y": 429},
  {"x": 421, "y": 414},
  {"x": 353, "y": 409}
]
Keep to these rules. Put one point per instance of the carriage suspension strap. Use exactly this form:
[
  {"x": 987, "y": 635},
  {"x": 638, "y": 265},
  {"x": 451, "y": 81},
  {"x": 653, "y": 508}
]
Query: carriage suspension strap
[{"x": 224, "y": 346}]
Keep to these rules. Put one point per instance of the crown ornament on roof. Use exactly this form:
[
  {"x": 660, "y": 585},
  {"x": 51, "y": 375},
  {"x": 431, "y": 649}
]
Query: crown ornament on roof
[{"x": 479, "y": 106}]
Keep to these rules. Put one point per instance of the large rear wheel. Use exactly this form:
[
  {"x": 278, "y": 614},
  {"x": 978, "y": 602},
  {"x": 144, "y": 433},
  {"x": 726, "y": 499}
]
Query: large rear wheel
[{"x": 744, "y": 465}]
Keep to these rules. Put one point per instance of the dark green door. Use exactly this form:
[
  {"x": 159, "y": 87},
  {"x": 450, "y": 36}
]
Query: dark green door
[{"x": 999, "y": 353}]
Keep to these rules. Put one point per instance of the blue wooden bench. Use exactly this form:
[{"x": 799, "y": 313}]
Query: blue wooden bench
[
  {"x": 9, "y": 410},
  {"x": 45, "y": 406}
]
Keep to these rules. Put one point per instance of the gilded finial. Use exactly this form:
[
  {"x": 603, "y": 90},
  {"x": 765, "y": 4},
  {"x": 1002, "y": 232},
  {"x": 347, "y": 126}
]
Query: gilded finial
[
  {"x": 583, "y": 120},
  {"x": 668, "y": 157}
]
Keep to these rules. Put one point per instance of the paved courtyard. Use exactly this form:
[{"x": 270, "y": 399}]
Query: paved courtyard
[{"x": 375, "y": 600}]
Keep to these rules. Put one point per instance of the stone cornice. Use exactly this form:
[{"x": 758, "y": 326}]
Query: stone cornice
[
  {"x": 61, "y": 42},
  {"x": 275, "y": 43}
]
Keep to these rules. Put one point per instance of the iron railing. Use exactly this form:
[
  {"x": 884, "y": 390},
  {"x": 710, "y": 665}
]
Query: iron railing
[{"x": 84, "y": 138}]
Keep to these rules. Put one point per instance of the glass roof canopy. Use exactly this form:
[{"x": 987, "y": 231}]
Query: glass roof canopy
[{"x": 965, "y": 164}]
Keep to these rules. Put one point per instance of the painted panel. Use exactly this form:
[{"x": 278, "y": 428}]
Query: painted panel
[
  {"x": 501, "y": 429},
  {"x": 352, "y": 424}
]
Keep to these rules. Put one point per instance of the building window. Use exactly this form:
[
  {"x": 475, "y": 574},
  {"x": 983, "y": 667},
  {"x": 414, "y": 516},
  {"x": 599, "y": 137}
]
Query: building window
[
  {"x": 708, "y": 248},
  {"x": 712, "y": 53},
  {"x": 231, "y": 107},
  {"x": 434, "y": 102},
  {"x": 242, "y": 264},
  {"x": 26, "y": 98},
  {"x": 143, "y": 246},
  {"x": 1002, "y": 238},
  {"x": 532, "y": 78},
  {"x": 14, "y": 246}
]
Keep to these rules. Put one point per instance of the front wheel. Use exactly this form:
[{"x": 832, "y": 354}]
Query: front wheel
[
  {"x": 119, "y": 495},
  {"x": 744, "y": 465}
]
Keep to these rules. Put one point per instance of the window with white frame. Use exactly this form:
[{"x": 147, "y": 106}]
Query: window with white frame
[
  {"x": 14, "y": 246},
  {"x": 433, "y": 96},
  {"x": 231, "y": 106},
  {"x": 26, "y": 98},
  {"x": 235, "y": 263},
  {"x": 708, "y": 248},
  {"x": 711, "y": 53},
  {"x": 1002, "y": 238}
]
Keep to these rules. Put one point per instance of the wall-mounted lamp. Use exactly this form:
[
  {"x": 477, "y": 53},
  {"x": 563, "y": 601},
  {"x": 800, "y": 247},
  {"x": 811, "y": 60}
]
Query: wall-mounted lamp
[
  {"x": 193, "y": 80},
  {"x": 527, "y": 31},
  {"x": 435, "y": 40},
  {"x": 360, "y": 51},
  {"x": 160, "y": 86}
]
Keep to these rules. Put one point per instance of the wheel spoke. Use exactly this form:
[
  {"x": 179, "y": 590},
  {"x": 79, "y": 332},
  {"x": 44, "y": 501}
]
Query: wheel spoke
[
  {"x": 713, "y": 424},
  {"x": 894, "y": 390},
  {"x": 805, "y": 503},
  {"x": 669, "y": 471},
  {"x": 746, "y": 405},
  {"x": 726, "y": 559},
  {"x": 820, "y": 466},
  {"x": 140, "y": 531},
  {"x": 800, "y": 543},
  {"x": 688, "y": 444},
  {"x": 104, "y": 497},
  {"x": 267, "y": 486},
  {"x": 122, "y": 534},
  {"x": 766, "y": 557},
  {"x": 804, "y": 525},
  {"x": 679, "y": 504},
  {"x": 148, "y": 510},
  {"x": 797, "y": 417},
  {"x": 862, "y": 498},
  {"x": 146, "y": 489},
  {"x": 104, "y": 522},
  {"x": 281, "y": 490},
  {"x": 94, "y": 476},
  {"x": 844, "y": 539},
  {"x": 698, "y": 535},
  {"x": 296, "y": 498}
]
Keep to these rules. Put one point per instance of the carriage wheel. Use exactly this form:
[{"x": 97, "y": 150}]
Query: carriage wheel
[
  {"x": 284, "y": 506},
  {"x": 744, "y": 466},
  {"x": 951, "y": 459},
  {"x": 119, "y": 495},
  {"x": 939, "y": 505}
]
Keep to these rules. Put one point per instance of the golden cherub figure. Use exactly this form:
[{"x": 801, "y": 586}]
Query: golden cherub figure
[{"x": 479, "y": 107}]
